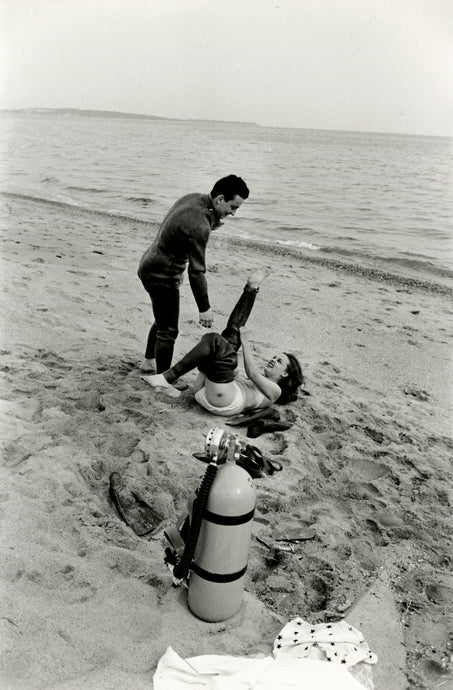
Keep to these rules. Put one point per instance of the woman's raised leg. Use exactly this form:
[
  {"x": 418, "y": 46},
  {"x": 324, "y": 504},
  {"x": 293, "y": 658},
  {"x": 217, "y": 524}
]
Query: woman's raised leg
[{"x": 243, "y": 307}]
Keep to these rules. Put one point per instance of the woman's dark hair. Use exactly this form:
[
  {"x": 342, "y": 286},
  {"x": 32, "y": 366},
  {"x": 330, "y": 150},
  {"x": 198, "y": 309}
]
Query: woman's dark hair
[
  {"x": 292, "y": 382},
  {"x": 230, "y": 186}
]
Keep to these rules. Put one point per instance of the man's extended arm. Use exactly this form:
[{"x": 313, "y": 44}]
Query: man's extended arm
[{"x": 197, "y": 277}]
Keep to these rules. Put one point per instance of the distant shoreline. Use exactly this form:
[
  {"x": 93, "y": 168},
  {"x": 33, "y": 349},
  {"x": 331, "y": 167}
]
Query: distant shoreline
[{"x": 114, "y": 114}]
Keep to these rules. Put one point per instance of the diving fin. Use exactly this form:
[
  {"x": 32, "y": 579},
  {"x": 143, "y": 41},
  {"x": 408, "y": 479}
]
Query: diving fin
[
  {"x": 265, "y": 426},
  {"x": 135, "y": 512}
]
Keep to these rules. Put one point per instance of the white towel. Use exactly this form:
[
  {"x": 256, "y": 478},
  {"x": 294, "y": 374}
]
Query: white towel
[{"x": 217, "y": 672}]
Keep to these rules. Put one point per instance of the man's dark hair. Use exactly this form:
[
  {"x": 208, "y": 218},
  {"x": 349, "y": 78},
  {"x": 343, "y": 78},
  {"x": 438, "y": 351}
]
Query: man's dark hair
[{"x": 229, "y": 187}]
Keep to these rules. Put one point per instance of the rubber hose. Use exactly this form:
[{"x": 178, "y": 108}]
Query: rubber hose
[{"x": 182, "y": 568}]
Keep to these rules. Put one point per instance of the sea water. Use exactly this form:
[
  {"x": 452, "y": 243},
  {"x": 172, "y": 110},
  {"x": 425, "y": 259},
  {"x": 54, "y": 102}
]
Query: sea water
[{"x": 379, "y": 200}]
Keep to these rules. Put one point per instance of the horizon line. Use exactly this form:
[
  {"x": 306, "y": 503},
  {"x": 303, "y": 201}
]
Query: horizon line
[{"x": 128, "y": 115}]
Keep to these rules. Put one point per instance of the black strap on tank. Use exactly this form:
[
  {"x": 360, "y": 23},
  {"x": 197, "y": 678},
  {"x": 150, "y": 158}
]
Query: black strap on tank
[
  {"x": 228, "y": 519},
  {"x": 217, "y": 577}
]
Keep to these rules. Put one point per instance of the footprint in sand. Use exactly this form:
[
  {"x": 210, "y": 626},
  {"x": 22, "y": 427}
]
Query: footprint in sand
[
  {"x": 421, "y": 395},
  {"x": 24, "y": 447},
  {"x": 440, "y": 593},
  {"x": 281, "y": 445},
  {"x": 379, "y": 536},
  {"x": 377, "y": 436},
  {"x": 368, "y": 471},
  {"x": 321, "y": 591}
]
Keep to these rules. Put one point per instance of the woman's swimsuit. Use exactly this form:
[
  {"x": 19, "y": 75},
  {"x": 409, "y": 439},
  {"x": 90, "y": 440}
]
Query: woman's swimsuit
[{"x": 246, "y": 396}]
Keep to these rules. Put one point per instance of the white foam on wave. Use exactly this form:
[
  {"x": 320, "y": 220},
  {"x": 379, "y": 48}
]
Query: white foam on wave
[
  {"x": 302, "y": 245},
  {"x": 273, "y": 241}
]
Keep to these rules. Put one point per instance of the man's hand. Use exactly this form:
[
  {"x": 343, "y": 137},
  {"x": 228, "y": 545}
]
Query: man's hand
[{"x": 206, "y": 318}]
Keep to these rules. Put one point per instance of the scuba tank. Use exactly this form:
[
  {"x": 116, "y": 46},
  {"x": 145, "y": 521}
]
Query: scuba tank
[{"x": 217, "y": 533}]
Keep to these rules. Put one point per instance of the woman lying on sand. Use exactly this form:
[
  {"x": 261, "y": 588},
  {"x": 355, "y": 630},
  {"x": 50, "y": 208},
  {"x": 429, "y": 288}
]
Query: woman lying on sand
[{"x": 220, "y": 388}]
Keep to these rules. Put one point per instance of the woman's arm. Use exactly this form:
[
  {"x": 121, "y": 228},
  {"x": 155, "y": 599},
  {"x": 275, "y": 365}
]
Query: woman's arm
[{"x": 269, "y": 388}]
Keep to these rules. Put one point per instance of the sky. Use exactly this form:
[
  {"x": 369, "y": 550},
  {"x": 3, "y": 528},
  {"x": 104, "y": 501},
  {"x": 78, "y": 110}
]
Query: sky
[{"x": 364, "y": 65}]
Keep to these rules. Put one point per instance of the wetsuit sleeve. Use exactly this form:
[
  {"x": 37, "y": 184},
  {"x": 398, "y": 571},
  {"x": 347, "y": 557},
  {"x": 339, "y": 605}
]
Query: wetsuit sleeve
[{"x": 197, "y": 269}]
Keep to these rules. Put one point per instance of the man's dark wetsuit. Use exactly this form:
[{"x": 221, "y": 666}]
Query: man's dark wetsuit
[{"x": 181, "y": 239}]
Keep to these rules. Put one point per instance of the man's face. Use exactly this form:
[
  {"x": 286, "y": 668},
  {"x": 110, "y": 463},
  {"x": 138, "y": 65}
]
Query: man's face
[{"x": 227, "y": 208}]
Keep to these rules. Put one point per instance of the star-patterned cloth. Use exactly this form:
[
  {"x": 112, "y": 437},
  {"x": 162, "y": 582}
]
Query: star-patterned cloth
[{"x": 339, "y": 642}]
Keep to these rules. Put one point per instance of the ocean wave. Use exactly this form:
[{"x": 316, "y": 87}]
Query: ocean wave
[
  {"x": 144, "y": 200},
  {"x": 75, "y": 188},
  {"x": 72, "y": 205},
  {"x": 42, "y": 200},
  {"x": 275, "y": 241},
  {"x": 408, "y": 262}
]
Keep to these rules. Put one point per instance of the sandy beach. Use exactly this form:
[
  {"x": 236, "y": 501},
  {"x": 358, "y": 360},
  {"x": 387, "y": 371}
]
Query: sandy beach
[{"x": 366, "y": 463}]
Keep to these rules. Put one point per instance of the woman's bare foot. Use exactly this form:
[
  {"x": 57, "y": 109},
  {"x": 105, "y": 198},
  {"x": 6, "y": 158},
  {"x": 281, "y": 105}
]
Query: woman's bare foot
[
  {"x": 148, "y": 366},
  {"x": 256, "y": 277},
  {"x": 158, "y": 382}
]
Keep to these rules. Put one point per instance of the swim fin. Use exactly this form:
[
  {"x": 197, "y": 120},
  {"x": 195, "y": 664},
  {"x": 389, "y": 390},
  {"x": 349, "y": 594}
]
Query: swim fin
[
  {"x": 266, "y": 426},
  {"x": 135, "y": 512}
]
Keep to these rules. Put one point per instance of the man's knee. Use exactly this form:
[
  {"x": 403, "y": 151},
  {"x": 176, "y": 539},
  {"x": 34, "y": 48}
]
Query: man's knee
[{"x": 168, "y": 334}]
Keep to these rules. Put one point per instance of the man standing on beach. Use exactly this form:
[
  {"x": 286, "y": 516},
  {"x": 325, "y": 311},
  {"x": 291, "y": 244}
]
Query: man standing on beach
[{"x": 182, "y": 240}]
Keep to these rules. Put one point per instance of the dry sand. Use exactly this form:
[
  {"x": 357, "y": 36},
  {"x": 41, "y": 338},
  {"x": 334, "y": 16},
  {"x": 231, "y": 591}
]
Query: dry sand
[{"x": 367, "y": 463}]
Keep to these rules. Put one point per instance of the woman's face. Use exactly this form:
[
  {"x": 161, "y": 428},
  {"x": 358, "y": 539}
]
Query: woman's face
[{"x": 276, "y": 368}]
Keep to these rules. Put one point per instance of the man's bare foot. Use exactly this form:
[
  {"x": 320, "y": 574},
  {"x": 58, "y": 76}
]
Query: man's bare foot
[
  {"x": 148, "y": 366},
  {"x": 256, "y": 277},
  {"x": 158, "y": 382}
]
